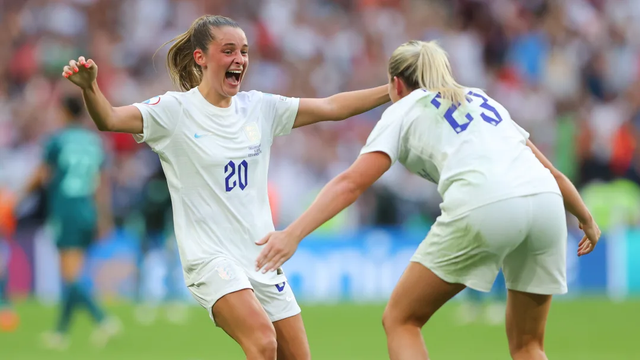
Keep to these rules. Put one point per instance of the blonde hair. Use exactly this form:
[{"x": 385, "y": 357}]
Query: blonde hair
[
  {"x": 183, "y": 69},
  {"x": 425, "y": 65}
]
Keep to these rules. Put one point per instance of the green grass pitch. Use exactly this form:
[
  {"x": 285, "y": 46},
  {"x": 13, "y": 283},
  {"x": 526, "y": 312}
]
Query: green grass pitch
[{"x": 577, "y": 329}]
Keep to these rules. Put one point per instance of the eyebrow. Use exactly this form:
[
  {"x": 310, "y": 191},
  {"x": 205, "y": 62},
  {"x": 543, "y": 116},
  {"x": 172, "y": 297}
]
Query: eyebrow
[{"x": 234, "y": 44}]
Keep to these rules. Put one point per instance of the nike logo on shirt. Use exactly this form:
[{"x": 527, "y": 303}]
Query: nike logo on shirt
[{"x": 198, "y": 136}]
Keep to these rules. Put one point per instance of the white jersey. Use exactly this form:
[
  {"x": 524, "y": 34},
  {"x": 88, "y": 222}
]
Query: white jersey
[
  {"x": 216, "y": 162},
  {"x": 476, "y": 153}
]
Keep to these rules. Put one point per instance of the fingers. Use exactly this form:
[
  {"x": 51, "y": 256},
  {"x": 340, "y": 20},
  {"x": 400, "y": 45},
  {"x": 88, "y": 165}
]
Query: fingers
[
  {"x": 66, "y": 72},
  {"x": 585, "y": 249},
  {"x": 265, "y": 256},
  {"x": 74, "y": 66},
  {"x": 89, "y": 64},
  {"x": 584, "y": 238}
]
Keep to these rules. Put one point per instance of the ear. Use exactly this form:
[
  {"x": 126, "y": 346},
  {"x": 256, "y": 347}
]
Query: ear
[
  {"x": 198, "y": 56},
  {"x": 399, "y": 85}
]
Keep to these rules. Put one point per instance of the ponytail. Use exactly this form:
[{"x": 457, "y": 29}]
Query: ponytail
[
  {"x": 425, "y": 65},
  {"x": 183, "y": 69}
]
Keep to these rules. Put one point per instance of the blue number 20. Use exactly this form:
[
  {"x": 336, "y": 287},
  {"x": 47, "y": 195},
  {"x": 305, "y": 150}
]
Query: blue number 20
[
  {"x": 458, "y": 128},
  {"x": 230, "y": 181}
]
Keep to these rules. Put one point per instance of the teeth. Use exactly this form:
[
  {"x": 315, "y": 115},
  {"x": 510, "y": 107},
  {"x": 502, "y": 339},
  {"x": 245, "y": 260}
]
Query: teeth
[{"x": 235, "y": 71}]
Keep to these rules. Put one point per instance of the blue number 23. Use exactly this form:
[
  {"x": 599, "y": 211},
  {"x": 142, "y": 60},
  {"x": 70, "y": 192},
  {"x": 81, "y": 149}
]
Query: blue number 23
[{"x": 494, "y": 118}]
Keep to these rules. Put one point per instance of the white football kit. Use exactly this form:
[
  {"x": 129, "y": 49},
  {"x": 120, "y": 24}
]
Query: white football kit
[
  {"x": 216, "y": 162},
  {"x": 501, "y": 207}
]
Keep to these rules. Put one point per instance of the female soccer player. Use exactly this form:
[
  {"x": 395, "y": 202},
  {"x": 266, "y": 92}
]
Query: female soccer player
[
  {"x": 502, "y": 204},
  {"x": 214, "y": 144},
  {"x": 77, "y": 199}
]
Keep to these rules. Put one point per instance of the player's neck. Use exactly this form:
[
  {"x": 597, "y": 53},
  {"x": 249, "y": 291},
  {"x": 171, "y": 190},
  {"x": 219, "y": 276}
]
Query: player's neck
[{"x": 213, "y": 97}]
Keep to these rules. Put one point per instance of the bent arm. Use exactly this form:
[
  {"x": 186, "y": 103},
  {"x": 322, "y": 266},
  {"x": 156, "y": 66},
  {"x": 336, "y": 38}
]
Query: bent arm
[
  {"x": 127, "y": 119},
  {"x": 572, "y": 199},
  {"x": 340, "y": 106},
  {"x": 341, "y": 192}
]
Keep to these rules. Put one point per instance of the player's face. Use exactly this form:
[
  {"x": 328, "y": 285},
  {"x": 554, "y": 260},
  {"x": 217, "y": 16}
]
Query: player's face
[{"x": 227, "y": 60}]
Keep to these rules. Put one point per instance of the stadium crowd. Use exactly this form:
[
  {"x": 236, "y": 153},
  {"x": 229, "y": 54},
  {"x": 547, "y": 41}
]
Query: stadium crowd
[{"x": 568, "y": 71}]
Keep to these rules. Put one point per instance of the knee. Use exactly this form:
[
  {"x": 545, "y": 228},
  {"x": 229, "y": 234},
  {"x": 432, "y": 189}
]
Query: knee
[
  {"x": 263, "y": 344},
  {"x": 393, "y": 319}
]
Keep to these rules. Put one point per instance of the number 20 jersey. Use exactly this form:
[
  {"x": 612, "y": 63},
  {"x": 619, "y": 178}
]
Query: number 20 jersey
[
  {"x": 216, "y": 162},
  {"x": 475, "y": 153}
]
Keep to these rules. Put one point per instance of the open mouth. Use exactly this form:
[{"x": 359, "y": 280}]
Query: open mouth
[{"x": 233, "y": 77}]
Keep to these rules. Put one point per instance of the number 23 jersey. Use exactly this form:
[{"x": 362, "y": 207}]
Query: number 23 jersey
[
  {"x": 216, "y": 162},
  {"x": 475, "y": 153}
]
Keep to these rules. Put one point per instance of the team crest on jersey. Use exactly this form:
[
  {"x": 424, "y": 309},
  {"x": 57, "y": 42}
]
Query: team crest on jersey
[
  {"x": 153, "y": 101},
  {"x": 225, "y": 272},
  {"x": 252, "y": 132}
]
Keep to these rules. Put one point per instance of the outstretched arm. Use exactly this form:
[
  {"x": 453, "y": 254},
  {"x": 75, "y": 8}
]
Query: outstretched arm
[
  {"x": 340, "y": 106},
  {"x": 337, "y": 195},
  {"x": 573, "y": 203},
  {"x": 83, "y": 73}
]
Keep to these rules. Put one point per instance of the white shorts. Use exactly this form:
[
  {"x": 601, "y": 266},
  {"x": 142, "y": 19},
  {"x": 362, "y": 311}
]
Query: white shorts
[
  {"x": 223, "y": 276},
  {"x": 526, "y": 236}
]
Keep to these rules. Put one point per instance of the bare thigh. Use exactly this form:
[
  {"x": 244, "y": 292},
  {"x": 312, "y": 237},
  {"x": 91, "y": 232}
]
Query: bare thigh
[
  {"x": 417, "y": 296},
  {"x": 292, "y": 339},
  {"x": 526, "y": 320},
  {"x": 241, "y": 316}
]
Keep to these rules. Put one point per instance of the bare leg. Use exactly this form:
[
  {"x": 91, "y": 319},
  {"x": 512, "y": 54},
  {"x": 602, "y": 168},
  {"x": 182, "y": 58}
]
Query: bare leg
[
  {"x": 241, "y": 316},
  {"x": 418, "y": 295},
  {"x": 526, "y": 321},
  {"x": 292, "y": 339}
]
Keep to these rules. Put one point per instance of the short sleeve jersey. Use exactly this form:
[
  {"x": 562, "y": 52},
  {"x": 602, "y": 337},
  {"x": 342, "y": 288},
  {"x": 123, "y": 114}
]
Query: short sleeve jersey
[
  {"x": 216, "y": 161},
  {"x": 475, "y": 153}
]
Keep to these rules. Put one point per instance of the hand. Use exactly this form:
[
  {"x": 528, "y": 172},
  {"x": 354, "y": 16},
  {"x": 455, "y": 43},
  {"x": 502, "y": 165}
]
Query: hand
[
  {"x": 82, "y": 72},
  {"x": 590, "y": 239},
  {"x": 280, "y": 246}
]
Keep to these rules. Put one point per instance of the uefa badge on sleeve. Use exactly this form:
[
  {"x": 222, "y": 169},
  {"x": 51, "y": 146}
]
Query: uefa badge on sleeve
[{"x": 153, "y": 101}]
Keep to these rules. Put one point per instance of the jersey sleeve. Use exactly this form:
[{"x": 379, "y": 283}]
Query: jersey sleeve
[
  {"x": 522, "y": 131},
  {"x": 160, "y": 117},
  {"x": 280, "y": 113},
  {"x": 385, "y": 137}
]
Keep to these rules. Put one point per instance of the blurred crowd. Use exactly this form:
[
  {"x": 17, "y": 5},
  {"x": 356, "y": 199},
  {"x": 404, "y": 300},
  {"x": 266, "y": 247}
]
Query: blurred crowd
[{"x": 567, "y": 70}]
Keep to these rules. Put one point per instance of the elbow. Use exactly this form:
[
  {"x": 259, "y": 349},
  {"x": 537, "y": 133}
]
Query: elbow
[
  {"x": 104, "y": 127},
  {"x": 332, "y": 111},
  {"x": 350, "y": 187}
]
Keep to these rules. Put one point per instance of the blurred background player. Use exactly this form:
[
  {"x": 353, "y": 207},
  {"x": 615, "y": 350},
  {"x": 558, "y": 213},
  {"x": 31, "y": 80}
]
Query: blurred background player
[
  {"x": 77, "y": 200},
  {"x": 160, "y": 280}
]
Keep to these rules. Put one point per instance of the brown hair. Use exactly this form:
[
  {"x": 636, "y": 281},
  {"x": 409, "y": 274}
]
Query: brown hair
[
  {"x": 183, "y": 69},
  {"x": 425, "y": 65}
]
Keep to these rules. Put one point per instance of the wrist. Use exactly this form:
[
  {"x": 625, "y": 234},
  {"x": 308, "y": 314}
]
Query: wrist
[
  {"x": 91, "y": 88},
  {"x": 294, "y": 233},
  {"x": 587, "y": 220}
]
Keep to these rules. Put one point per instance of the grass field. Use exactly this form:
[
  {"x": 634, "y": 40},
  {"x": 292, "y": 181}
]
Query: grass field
[{"x": 585, "y": 329}]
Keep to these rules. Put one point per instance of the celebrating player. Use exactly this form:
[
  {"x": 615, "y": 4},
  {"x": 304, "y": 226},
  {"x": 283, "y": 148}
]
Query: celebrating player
[
  {"x": 502, "y": 204},
  {"x": 214, "y": 143},
  {"x": 77, "y": 199}
]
